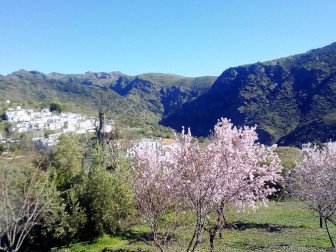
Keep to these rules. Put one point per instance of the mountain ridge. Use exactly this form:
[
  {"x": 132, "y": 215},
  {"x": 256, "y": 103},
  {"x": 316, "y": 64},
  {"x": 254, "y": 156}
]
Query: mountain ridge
[
  {"x": 147, "y": 96},
  {"x": 281, "y": 96},
  {"x": 291, "y": 99}
]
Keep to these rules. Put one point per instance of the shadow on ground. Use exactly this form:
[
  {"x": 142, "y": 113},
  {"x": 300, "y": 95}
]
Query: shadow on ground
[
  {"x": 252, "y": 225},
  {"x": 134, "y": 237}
]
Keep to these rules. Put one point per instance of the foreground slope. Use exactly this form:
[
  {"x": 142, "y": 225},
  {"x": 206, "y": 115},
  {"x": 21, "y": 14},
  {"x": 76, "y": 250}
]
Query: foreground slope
[
  {"x": 282, "y": 226},
  {"x": 292, "y": 99}
]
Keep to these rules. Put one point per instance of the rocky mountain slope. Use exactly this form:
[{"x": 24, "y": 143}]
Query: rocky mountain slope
[{"x": 292, "y": 100}]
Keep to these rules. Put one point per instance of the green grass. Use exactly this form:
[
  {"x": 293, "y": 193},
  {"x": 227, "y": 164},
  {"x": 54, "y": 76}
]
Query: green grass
[
  {"x": 289, "y": 156},
  {"x": 109, "y": 244},
  {"x": 298, "y": 231}
]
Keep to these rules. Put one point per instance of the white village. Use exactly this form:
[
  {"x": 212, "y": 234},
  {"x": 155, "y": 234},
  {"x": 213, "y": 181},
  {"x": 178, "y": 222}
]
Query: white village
[
  {"x": 37, "y": 122},
  {"x": 23, "y": 120}
]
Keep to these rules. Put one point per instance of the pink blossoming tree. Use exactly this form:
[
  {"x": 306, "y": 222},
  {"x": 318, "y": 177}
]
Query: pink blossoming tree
[
  {"x": 232, "y": 169},
  {"x": 314, "y": 182},
  {"x": 193, "y": 182},
  {"x": 242, "y": 171},
  {"x": 152, "y": 183}
]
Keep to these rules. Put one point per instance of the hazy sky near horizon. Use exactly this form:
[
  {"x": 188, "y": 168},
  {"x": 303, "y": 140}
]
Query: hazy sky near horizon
[{"x": 186, "y": 37}]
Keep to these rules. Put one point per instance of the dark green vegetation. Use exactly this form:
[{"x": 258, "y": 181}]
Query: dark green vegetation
[
  {"x": 55, "y": 107},
  {"x": 292, "y": 99},
  {"x": 133, "y": 100},
  {"x": 282, "y": 226},
  {"x": 91, "y": 187}
]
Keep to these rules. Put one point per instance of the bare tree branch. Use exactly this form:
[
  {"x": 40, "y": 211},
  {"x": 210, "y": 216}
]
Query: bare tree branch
[{"x": 28, "y": 200}]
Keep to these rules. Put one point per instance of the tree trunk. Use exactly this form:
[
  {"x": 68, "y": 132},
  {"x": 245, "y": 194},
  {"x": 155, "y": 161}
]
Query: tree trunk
[
  {"x": 212, "y": 238},
  {"x": 321, "y": 222},
  {"x": 197, "y": 233},
  {"x": 101, "y": 125},
  {"x": 221, "y": 220},
  {"x": 192, "y": 240},
  {"x": 157, "y": 242},
  {"x": 198, "y": 236},
  {"x": 330, "y": 237},
  {"x": 197, "y": 242}
]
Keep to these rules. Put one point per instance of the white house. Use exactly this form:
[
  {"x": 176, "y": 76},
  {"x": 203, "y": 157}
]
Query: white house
[
  {"x": 23, "y": 127},
  {"x": 70, "y": 125},
  {"x": 17, "y": 115},
  {"x": 54, "y": 123}
]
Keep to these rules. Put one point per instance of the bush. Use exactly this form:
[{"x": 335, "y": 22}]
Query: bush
[
  {"x": 55, "y": 107},
  {"x": 108, "y": 198},
  {"x": 95, "y": 197}
]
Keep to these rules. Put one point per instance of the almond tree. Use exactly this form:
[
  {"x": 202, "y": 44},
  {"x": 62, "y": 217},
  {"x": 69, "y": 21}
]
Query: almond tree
[
  {"x": 232, "y": 169},
  {"x": 194, "y": 182},
  {"x": 242, "y": 170},
  {"x": 154, "y": 192},
  {"x": 314, "y": 182}
]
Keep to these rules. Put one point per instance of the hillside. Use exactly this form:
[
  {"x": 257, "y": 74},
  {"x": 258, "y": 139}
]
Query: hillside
[
  {"x": 292, "y": 99},
  {"x": 144, "y": 98}
]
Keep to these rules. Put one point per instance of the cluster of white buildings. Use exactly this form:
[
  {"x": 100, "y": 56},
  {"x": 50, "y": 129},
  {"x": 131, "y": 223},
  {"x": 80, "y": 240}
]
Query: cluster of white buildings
[
  {"x": 25, "y": 120},
  {"x": 28, "y": 120},
  {"x": 161, "y": 145}
]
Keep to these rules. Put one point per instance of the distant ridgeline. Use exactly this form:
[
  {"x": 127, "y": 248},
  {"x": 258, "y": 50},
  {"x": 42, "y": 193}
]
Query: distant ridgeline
[
  {"x": 292, "y": 100},
  {"x": 143, "y": 98}
]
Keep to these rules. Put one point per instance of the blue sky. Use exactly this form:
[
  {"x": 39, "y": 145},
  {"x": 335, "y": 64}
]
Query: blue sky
[{"x": 186, "y": 37}]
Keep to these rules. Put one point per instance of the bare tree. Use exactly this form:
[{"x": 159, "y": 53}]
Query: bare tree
[
  {"x": 27, "y": 199},
  {"x": 103, "y": 104},
  {"x": 101, "y": 125}
]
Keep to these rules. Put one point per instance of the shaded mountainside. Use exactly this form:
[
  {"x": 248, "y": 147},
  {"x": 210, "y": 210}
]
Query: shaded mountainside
[
  {"x": 146, "y": 97},
  {"x": 292, "y": 100}
]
